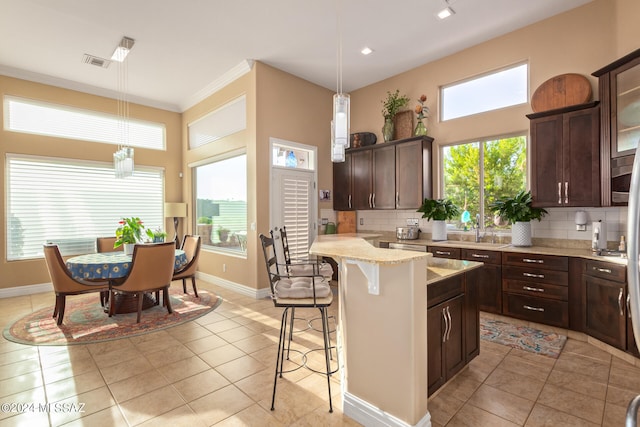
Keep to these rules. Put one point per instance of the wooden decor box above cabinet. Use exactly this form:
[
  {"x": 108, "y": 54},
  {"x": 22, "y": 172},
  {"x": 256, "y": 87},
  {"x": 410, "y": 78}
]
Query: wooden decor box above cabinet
[
  {"x": 392, "y": 175},
  {"x": 565, "y": 156}
]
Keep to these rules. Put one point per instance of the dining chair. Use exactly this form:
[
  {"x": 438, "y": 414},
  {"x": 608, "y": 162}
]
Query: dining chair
[
  {"x": 191, "y": 247},
  {"x": 151, "y": 271},
  {"x": 64, "y": 284},
  {"x": 299, "y": 266},
  {"x": 289, "y": 292},
  {"x": 105, "y": 244}
]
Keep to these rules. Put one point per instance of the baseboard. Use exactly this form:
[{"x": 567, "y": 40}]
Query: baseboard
[
  {"x": 233, "y": 286},
  {"x": 19, "y": 291},
  {"x": 369, "y": 415}
]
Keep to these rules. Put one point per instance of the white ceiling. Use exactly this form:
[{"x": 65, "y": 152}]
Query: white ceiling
[{"x": 183, "y": 49}]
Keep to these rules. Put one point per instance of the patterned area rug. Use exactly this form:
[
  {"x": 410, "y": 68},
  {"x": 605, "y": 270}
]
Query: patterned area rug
[
  {"x": 522, "y": 337},
  {"x": 86, "y": 322}
]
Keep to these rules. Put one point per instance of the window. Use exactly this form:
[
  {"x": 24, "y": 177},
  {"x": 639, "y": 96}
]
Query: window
[
  {"x": 492, "y": 91},
  {"x": 226, "y": 120},
  {"x": 71, "y": 202},
  {"x": 477, "y": 173},
  {"x": 60, "y": 121},
  {"x": 221, "y": 203}
]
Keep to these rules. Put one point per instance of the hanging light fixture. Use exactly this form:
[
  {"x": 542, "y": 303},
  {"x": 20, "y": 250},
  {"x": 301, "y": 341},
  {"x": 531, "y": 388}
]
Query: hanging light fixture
[
  {"x": 341, "y": 108},
  {"x": 123, "y": 157}
]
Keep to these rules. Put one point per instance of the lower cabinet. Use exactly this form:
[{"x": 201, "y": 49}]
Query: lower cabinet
[{"x": 489, "y": 278}]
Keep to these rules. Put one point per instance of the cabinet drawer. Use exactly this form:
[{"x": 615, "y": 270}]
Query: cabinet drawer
[
  {"x": 606, "y": 270},
  {"x": 488, "y": 257},
  {"x": 540, "y": 310},
  {"x": 444, "y": 289},
  {"x": 539, "y": 290},
  {"x": 444, "y": 252},
  {"x": 550, "y": 262},
  {"x": 536, "y": 275}
]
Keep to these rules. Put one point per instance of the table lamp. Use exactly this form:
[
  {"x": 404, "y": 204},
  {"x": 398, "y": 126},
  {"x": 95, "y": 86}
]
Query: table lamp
[{"x": 175, "y": 211}]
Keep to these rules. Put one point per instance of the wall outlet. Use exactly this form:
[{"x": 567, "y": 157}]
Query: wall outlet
[
  {"x": 361, "y": 221},
  {"x": 412, "y": 222},
  {"x": 324, "y": 221}
]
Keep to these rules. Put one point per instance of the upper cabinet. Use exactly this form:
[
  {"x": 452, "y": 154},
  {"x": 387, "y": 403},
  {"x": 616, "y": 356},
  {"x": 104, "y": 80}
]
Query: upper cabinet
[
  {"x": 565, "y": 150},
  {"x": 619, "y": 89},
  {"x": 392, "y": 175}
]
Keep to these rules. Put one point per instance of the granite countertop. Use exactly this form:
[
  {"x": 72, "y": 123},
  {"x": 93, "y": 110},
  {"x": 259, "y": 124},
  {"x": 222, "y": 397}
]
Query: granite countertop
[
  {"x": 354, "y": 246},
  {"x": 442, "y": 268}
]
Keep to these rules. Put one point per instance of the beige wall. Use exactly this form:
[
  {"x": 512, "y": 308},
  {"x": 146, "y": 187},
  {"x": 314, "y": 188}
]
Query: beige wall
[{"x": 18, "y": 273}]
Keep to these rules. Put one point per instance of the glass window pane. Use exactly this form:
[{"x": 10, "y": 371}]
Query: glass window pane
[
  {"x": 221, "y": 203},
  {"x": 490, "y": 92},
  {"x": 226, "y": 120},
  {"x": 461, "y": 168}
]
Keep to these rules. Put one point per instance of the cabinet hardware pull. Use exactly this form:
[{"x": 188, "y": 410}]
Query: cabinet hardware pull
[
  {"x": 397, "y": 198},
  {"x": 629, "y": 306},
  {"x": 349, "y": 201},
  {"x": 529, "y": 288},
  {"x": 566, "y": 192},
  {"x": 479, "y": 256},
  {"x": 442, "y": 253},
  {"x": 537, "y": 276},
  {"x": 373, "y": 200},
  {"x": 603, "y": 270},
  {"x": 537, "y": 261},
  {"x": 620, "y": 305},
  {"x": 446, "y": 325},
  {"x": 370, "y": 200},
  {"x": 559, "y": 193},
  {"x": 528, "y": 307},
  {"x": 450, "y": 323}
]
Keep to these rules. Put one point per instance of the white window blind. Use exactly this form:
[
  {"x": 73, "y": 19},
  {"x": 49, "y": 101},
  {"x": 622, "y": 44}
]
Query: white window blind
[
  {"x": 71, "y": 202},
  {"x": 226, "y": 120},
  {"x": 41, "y": 118},
  {"x": 296, "y": 193}
]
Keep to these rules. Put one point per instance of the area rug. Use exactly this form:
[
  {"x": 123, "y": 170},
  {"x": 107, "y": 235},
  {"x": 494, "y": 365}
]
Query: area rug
[
  {"x": 86, "y": 322},
  {"x": 522, "y": 337}
]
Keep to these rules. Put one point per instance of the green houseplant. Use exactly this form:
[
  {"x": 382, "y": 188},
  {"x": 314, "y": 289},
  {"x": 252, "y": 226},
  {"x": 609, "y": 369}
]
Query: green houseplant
[
  {"x": 157, "y": 235},
  {"x": 518, "y": 210},
  {"x": 390, "y": 107},
  {"x": 439, "y": 210},
  {"x": 129, "y": 233}
]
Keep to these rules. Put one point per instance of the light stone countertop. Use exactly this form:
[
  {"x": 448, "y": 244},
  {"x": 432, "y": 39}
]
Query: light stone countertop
[
  {"x": 442, "y": 268},
  {"x": 354, "y": 246}
]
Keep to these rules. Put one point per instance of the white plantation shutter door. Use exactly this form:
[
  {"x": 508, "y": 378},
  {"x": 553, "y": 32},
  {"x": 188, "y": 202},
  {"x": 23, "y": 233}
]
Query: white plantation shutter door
[{"x": 296, "y": 195}]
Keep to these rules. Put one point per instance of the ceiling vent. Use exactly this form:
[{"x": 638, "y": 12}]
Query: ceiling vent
[{"x": 95, "y": 60}]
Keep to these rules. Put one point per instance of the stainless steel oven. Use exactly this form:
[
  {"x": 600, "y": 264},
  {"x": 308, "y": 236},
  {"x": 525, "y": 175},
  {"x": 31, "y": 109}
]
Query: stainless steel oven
[{"x": 408, "y": 247}]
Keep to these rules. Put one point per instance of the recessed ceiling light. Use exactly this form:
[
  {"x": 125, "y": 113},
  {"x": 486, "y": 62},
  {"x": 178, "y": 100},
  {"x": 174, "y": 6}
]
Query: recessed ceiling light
[
  {"x": 445, "y": 13},
  {"x": 366, "y": 51}
]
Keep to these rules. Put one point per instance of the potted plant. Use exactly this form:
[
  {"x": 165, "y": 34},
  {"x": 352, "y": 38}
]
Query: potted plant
[
  {"x": 128, "y": 233},
  {"x": 439, "y": 210},
  {"x": 223, "y": 234},
  {"x": 157, "y": 235},
  {"x": 518, "y": 210},
  {"x": 205, "y": 229},
  {"x": 390, "y": 108}
]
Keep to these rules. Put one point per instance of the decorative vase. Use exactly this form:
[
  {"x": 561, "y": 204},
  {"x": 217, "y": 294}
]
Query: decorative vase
[
  {"x": 128, "y": 248},
  {"x": 521, "y": 234},
  {"x": 158, "y": 239},
  {"x": 439, "y": 230},
  {"x": 421, "y": 129},
  {"x": 387, "y": 129}
]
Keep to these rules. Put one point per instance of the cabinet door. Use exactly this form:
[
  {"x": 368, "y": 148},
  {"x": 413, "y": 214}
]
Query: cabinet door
[
  {"x": 435, "y": 340},
  {"x": 384, "y": 180},
  {"x": 581, "y": 158},
  {"x": 454, "y": 354},
  {"x": 632, "y": 347},
  {"x": 362, "y": 186},
  {"x": 471, "y": 315},
  {"x": 546, "y": 160},
  {"x": 342, "y": 185},
  {"x": 409, "y": 175},
  {"x": 489, "y": 279},
  {"x": 604, "y": 311}
]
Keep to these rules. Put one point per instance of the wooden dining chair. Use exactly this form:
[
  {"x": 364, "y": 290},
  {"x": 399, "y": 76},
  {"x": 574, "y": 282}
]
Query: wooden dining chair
[
  {"x": 105, "y": 244},
  {"x": 191, "y": 247},
  {"x": 151, "y": 271},
  {"x": 64, "y": 284}
]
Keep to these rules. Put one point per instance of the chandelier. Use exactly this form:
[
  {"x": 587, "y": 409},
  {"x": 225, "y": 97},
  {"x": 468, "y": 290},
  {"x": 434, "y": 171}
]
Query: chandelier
[
  {"x": 341, "y": 109},
  {"x": 123, "y": 157}
]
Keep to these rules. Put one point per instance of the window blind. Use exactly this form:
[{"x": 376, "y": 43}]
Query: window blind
[
  {"x": 296, "y": 193},
  {"x": 71, "y": 202}
]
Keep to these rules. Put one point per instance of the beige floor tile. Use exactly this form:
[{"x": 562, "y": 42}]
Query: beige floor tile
[
  {"x": 181, "y": 369},
  {"x": 169, "y": 355},
  {"x": 585, "y": 349},
  {"x": 81, "y": 405},
  {"x": 20, "y": 383},
  {"x": 472, "y": 416},
  {"x": 522, "y": 366},
  {"x": 236, "y": 334},
  {"x": 15, "y": 369},
  {"x": 127, "y": 354},
  {"x": 201, "y": 384},
  {"x": 127, "y": 369},
  {"x": 154, "y": 342},
  {"x": 26, "y": 419},
  {"x": 75, "y": 385},
  {"x": 505, "y": 405},
  {"x": 240, "y": 368},
  {"x": 579, "y": 383},
  {"x": 110, "y": 417},
  {"x": 572, "y": 403},
  {"x": 594, "y": 368},
  {"x": 462, "y": 386},
  {"x": 19, "y": 355},
  {"x": 24, "y": 401},
  {"x": 221, "y": 404},
  {"x": 151, "y": 405},
  {"x": 182, "y": 416},
  {"x": 443, "y": 407},
  {"x": 293, "y": 402},
  {"x": 137, "y": 385},
  {"x": 254, "y": 415},
  {"x": 68, "y": 370},
  {"x": 620, "y": 396},
  {"x": 221, "y": 355},
  {"x": 255, "y": 343},
  {"x": 625, "y": 377},
  {"x": 544, "y": 416},
  {"x": 58, "y": 355},
  {"x": 514, "y": 383},
  {"x": 222, "y": 325},
  {"x": 189, "y": 331},
  {"x": 258, "y": 386},
  {"x": 205, "y": 344},
  {"x": 615, "y": 415}
]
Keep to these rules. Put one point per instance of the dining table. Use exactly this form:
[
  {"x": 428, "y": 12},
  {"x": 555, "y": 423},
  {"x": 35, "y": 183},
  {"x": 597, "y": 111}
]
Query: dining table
[{"x": 114, "y": 267}]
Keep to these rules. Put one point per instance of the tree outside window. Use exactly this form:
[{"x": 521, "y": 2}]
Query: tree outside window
[{"x": 477, "y": 173}]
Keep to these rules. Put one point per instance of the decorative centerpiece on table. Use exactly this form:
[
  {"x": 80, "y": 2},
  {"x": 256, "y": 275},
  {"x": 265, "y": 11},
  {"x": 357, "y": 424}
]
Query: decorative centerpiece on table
[
  {"x": 390, "y": 107},
  {"x": 518, "y": 210},
  {"x": 157, "y": 235},
  {"x": 128, "y": 234},
  {"x": 439, "y": 210},
  {"x": 423, "y": 113}
]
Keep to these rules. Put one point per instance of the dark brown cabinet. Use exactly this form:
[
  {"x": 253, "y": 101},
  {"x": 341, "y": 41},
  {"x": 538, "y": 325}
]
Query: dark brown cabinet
[
  {"x": 445, "y": 252},
  {"x": 488, "y": 278},
  {"x": 565, "y": 156},
  {"x": 393, "y": 175}
]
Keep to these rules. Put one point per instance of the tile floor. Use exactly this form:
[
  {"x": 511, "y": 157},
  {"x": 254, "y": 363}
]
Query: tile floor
[{"x": 218, "y": 370}]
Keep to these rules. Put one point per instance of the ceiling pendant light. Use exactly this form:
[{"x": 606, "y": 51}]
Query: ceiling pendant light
[
  {"x": 123, "y": 163},
  {"x": 341, "y": 109}
]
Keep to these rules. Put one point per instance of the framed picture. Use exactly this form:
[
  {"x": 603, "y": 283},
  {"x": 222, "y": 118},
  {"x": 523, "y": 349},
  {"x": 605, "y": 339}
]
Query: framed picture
[{"x": 325, "y": 195}]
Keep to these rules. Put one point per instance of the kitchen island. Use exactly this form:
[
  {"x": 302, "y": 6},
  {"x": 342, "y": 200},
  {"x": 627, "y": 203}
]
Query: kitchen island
[{"x": 383, "y": 327}]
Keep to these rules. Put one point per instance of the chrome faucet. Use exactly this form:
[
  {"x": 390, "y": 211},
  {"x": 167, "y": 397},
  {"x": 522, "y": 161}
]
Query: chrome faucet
[{"x": 478, "y": 228}]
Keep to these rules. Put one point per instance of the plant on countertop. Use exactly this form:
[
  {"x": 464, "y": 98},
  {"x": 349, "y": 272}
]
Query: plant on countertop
[
  {"x": 517, "y": 208},
  {"x": 393, "y": 104},
  {"x": 439, "y": 209},
  {"x": 156, "y": 233},
  {"x": 129, "y": 231}
]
